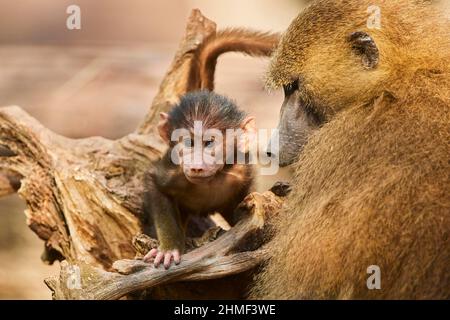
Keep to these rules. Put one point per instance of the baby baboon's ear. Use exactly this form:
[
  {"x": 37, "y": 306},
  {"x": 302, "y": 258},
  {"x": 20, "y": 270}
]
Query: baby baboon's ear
[
  {"x": 363, "y": 45},
  {"x": 248, "y": 137},
  {"x": 163, "y": 127}
]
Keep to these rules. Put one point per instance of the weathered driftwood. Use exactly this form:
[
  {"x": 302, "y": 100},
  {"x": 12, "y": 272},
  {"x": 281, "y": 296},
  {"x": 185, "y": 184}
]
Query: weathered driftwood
[{"x": 84, "y": 198}]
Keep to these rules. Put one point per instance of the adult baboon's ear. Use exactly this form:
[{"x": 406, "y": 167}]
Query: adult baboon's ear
[
  {"x": 163, "y": 126},
  {"x": 363, "y": 45}
]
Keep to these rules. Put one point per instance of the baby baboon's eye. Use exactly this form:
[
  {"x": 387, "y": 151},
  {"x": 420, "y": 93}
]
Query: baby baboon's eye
[
  {"x": 209, "y": 143},
  {"x": 290, "y": 88},
  {"x": 188, "y": 143}
]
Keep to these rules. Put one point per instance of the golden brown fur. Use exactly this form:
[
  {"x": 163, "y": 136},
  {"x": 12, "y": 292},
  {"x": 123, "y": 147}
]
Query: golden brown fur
[
  {"x": 253, "y": 43},
  {"x": 372, "y": 185}
]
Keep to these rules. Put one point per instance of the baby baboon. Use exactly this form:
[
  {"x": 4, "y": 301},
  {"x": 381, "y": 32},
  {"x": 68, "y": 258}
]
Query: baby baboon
[
  {"x": 367, "y": 122},
  {"x": 205, "y": 169},
  {"x": 176, "y": 192}
]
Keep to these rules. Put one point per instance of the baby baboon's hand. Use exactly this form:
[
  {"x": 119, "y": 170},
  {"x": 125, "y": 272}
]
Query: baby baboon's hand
[{"x": 165, "y": 256}]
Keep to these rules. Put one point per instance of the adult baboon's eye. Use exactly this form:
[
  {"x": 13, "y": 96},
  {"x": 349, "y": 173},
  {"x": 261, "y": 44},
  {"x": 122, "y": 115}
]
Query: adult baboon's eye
[
  {"x": 312, "y": 110},
  {"x": 290, "y": 88}
]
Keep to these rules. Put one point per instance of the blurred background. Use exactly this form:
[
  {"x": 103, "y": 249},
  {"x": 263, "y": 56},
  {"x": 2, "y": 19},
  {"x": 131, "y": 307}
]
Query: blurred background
[{"x": 100, "y": 80}]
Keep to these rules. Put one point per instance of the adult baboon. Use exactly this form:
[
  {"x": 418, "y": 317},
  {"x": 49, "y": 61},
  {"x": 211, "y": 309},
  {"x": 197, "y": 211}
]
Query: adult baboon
[{"x": 368, "y": 109}]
